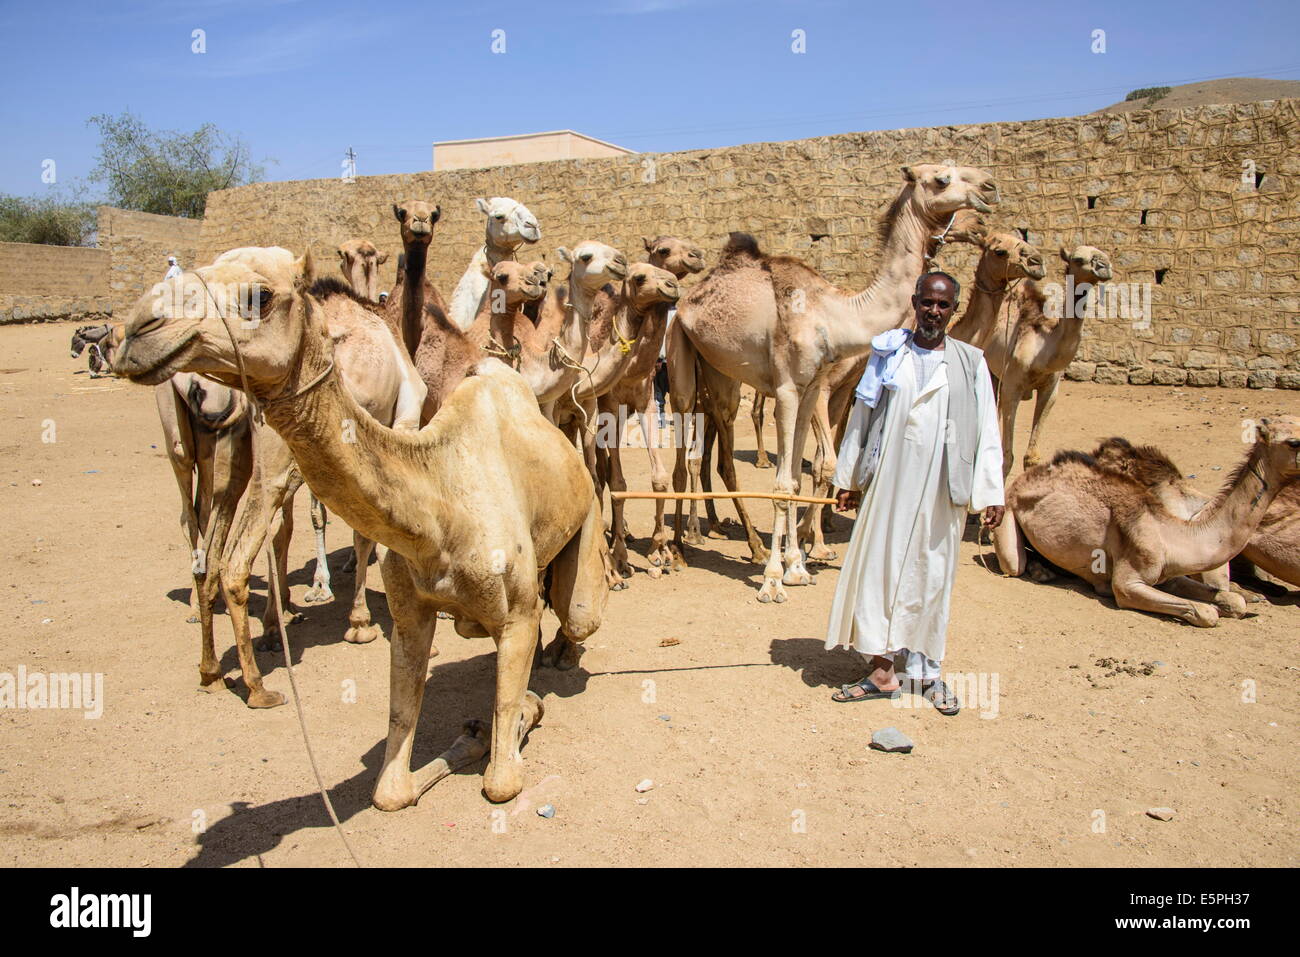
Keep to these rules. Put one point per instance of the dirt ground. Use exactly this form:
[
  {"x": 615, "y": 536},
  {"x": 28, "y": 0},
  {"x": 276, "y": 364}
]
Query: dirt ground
[{"x": 1055, "y": 764}]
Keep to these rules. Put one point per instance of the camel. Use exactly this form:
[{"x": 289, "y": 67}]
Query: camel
[
  {"x": 776, "y": 325},
  {"x": 486, "y": 512},
  {"x": 1028, "y": 351},
  {"x": 509, "y": 226},
  {"x": 360, "y": 262},
  {"x": 1275, "y": 546},
  {"x": 1106, "y": 527}
]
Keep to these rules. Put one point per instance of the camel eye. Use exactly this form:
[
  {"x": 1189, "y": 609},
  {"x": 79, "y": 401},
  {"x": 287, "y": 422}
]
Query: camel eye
[
  {"x": 663, "y": 252},
  {"x": 500, "y": 218},
  {"x": 585, "y": 257},
  {"x": 1294, "y": 443}
]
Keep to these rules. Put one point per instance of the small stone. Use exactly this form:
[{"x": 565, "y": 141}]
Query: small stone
[
  {"x": 47, "y": 621},
  {"x": 546, "y": 810},
  {"x": 665, "y": 717},
  {"x": 1161, "y": 813},
  {"x": 669, "y": 642},
  {"x": 891, "y": 740},
  {"x": 645, "y": 785},
  {"x": 642, "y": 800}
]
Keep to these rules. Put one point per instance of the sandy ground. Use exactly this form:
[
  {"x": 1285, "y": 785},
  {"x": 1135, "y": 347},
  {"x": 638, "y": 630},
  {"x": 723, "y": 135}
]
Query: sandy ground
[{"x": 752, "y": 762}]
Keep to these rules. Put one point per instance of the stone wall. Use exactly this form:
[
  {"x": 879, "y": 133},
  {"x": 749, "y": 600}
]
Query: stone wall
[
  {"x": 139, "y": 244},
  {"x": 40, "y": 283},
  {"x": 1161, "y": 190}
]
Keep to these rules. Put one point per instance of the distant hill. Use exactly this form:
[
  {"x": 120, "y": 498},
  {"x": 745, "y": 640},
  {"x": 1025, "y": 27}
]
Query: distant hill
[{"x": 1234, "y": 90}]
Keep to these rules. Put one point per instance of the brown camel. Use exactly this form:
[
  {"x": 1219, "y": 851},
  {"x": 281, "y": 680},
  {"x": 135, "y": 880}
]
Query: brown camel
[
  {"x": 416, "y": 221},
  {"x": 776, "y": 325},
  {"x": 1028, "y": 350},
  {"x": 360, "y": 261},
  {"x": 1108, "y": 529},
  {"x": 485, "y": 512}
]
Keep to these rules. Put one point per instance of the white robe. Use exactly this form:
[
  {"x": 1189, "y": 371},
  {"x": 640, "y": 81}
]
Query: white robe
[{"x": 896, "y": 582}]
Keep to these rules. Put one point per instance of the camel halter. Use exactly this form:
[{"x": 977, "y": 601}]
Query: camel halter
[
  {"x": 274, "y": 570},
  {"x": 941, "y": 239}
]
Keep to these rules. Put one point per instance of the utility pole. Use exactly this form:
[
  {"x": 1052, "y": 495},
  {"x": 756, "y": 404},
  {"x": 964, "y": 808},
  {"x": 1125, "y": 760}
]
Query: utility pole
[{"x": 350, "y": 166}]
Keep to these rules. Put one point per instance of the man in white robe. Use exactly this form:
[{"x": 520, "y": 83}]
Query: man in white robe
[{"x": 925, "y": 456}]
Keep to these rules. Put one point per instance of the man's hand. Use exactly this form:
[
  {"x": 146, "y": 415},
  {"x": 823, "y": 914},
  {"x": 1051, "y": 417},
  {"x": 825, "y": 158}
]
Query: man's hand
[
  {"x": 847, "y": 500},
  {"x": 993, "y": 516}
]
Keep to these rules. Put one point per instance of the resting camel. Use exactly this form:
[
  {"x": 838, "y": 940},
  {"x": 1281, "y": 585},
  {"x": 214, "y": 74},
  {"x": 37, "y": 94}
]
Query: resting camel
[
  {"x": 776, "y": 325},
  {"x": 1275, "y": 546},
  {"x": 509, "y": 226},
  {"x": 1028, "y": 351},
  {"x": 533, "y": 531},
  {"x": 1108, "y": 529},
  {"x": 360, "y": 262}
]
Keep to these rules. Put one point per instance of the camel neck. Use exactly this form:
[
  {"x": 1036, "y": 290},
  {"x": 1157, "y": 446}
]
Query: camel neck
[
  {"x": 412, "y": 321},
  {"x": 981, "y": 316},
  {"x": 1221, "y": 529}
]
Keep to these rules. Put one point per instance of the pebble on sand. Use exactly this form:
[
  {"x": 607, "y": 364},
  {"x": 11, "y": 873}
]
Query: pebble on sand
[
  {"x": 1161, "y": 813},
  {"x": 546, "y": 810},
  {"x": 891, "y": 739},
  {"x": 645, "y": 785}
]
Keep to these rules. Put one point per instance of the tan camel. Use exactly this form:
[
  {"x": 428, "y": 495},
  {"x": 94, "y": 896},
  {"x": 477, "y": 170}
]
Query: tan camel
[
  {"x": 486, "y": 512},
  {"x": 776, "y": 325},
  {"x": 1107, "y": 529},
  {"x": 509, "y": 226},
  {"x": 1275, "y": 546},
  {"x": 360, "y": 261},
  {"x": 1028, "y": 350}
]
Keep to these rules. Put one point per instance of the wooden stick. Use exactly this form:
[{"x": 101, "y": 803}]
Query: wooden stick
[{"x": 701, "y": 496}]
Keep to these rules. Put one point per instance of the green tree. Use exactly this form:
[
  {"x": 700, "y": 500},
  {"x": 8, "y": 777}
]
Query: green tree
[
  {"x": 52, "y": 219},
  {"x": 167, "y": 172}
]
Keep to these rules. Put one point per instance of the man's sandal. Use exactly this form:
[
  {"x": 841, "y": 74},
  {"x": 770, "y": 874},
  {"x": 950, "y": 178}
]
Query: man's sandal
[
  {"x": 941, "y": 696},
  {"x": 870, "y": 692}
]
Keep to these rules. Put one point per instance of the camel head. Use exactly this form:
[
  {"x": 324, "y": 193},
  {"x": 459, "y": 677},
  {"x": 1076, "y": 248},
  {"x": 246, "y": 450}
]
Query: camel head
[
  {"x": 360, "y": 262},
  {"x": 521, "y": 282},
  {"x": 1006, "y": 256},
  {"x": 1087, "y": 264},
  {"x": 1277, "y": 441},
  {"x": 509, "y": 224},
  {"x": 676, "y": 255},
  {"x": 940, "y": 191},
  {"x": 416, "y": 221},
  {"x": 646, "y": 285},
  {"x": 594, "y": 264},
  {"x": 177, "y": 325}
]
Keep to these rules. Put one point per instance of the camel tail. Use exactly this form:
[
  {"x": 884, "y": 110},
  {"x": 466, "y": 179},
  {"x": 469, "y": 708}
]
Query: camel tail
[
  {"x": 741, "y": 249},
  {"x": 574, "y": 584}
]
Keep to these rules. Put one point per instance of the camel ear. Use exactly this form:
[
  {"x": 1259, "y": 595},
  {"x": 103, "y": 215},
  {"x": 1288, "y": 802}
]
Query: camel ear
[
  {"x": 383, "y": 257},
  {"x": 1263, "y": 432},
  {"x": 563, "y": 253},
  {"x": 304, "y": 271},
  {"x": 908, "y": 175},
  {"x": 482, "y": 205},
  {"x": 435, "y": 215},
  {"x": 649, "y": 244},
  {"x": 398, "y": 213},
  {"x": 342, "y": 254},
  {"x": 1065, "y": 254},
  {"x": 487, "y": 270}
]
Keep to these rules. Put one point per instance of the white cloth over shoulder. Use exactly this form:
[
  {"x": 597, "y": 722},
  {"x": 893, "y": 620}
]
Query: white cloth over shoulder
[{"x": 896, "y": 582}]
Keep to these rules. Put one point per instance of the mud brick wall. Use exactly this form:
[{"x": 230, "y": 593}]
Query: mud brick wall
[
  {"x": 1161, "y": 190},
  {"x": 138, "y": 245},
  {"x": 40, "y": 283}
]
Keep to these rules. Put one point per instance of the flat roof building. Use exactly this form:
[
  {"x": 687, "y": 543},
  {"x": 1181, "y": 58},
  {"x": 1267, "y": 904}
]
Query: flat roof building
[{"x": 524, "y": 148}]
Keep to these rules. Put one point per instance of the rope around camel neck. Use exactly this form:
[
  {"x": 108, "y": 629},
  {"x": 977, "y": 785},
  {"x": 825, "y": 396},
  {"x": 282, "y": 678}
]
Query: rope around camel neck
[{"x": 274, "y": 575}]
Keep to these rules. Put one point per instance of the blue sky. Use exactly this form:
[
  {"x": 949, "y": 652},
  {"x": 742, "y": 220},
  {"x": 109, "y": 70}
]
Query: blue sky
[{"x": 301, "y": 80}]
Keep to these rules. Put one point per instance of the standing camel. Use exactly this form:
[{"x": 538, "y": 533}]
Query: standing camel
[
  {"x": 776, "y": 325},
  {"x": 360, "y": 259},
  {"x": 485, "y": 512},
  {"x": 509, "y": 226}
]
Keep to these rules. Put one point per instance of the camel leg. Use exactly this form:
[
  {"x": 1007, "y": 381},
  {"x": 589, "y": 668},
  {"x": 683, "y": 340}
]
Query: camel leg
[
  {"x": 203, "y": 565},
  {"x": 1008, "y": 403},
  {"x": 518, "y": 710},
  {"x": 1132, "y": 592},
  {"x": 577, "y": 592},
  {"x": 1044, "y": 400},
  {"x": 682, "y": 390},
  {"x": 795, "y": 572},
  {"x": 761, "y": 461},
  {"x": 178, "y": 440},
  {"x": 620, "y": 569},
  {"x": 727, "y": 469},
  {"x": 787, "y": 415},
  {"x": 414, "y": 620},
  {"x": 702, "y": 477},
  {"x": 361, "y": 629},
  {"x": 810, "y": 528},
  {"x": 1009, "y": 544},
  {"x": 1229, "y": 604},
  {"x": 660, "y": 557},
  {"x": 320, "y": 584}
]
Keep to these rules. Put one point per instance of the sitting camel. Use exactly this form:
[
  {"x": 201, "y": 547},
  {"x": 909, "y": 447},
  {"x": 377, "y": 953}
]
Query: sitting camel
[
  {"x": 1028, "y": 350},
  {"x": 360, "y": 261},
  {"x": 1108, "y": 529},
  {"x": 509, "y": 226},
  {"x": 486, "y": 512}
]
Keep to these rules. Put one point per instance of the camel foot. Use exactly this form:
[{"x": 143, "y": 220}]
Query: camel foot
[
  {"x": 796, "y": 575},
  {"x": 318, "y": 594},
  {"x": 269, "y": 642},
  {"x": 1230, "y": 604},
  {"x": 723, "y": 528},
  {"x": 502, "y": 781},
  {"x": 562, "y": 654},
  {"x": 265, "y": 699},
  {"x": 1038, "y": 572},
  {"x": 676, "y": 557},
  {"x": 822, "y": 553},
  {"x": 210, "y": 683},
  {"x": 763, "y": 462},
  {"x": 363, "y": 634},
  {"x": 772, "y": 591},
  {"x": 1202, "y": 616},
  {"x": 692, "y": 536}
]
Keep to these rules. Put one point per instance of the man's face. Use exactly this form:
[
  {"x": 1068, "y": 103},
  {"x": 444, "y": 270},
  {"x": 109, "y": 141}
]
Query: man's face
[{"x": 934, "y": 305}]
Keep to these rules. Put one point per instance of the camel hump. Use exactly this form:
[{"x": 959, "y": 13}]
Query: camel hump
[{"x": 741, "y": 248}]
